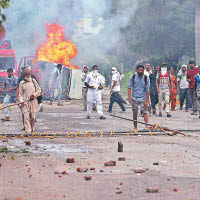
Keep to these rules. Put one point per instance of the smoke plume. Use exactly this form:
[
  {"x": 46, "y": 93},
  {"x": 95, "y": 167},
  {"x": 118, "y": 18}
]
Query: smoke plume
[{"x": 94, "y": 26}]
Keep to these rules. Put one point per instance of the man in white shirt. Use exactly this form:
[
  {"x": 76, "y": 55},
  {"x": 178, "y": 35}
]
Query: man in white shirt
[
  {"x": 147, "y": 70},
  {"x": 84, "y": 74},
  {"x": 115, "y": 89},
  {"x": 94, "y": 81},
  {"x": 183, "y": 87}
]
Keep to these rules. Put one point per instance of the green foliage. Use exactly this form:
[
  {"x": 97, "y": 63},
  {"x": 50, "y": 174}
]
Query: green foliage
[
  {"x": 3, "y": 5},
  {"x": 162, "y": 31},
  {"x": 124, "y": 82}
]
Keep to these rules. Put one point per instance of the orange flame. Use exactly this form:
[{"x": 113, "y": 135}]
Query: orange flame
[{"x": 56, "y": 49}]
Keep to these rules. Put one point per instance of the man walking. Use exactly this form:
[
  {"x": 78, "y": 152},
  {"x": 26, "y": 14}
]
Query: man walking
[
  {"x": 190, "y": 78},
  {"x": 57, "y": 84},
  {"x": 84, "y": 74},
  {"x": 153, "y": 90},
  {"x": 138, "y": 94},
  {"x": 147, "y": 70},
  {"x": 29, "y": 90},
  {"x": 183, "y": 87},
  {"x": 94, "y": 81},
  {"x": 197, "y": 88},
  {"x": 10, "y": 86},
  {"x": 114, "y": 91},
  {"x": 162, "y": 86}
]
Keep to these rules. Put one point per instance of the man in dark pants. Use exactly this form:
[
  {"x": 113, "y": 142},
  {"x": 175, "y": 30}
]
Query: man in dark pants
[
  {"x": 153, "y": 91},
  {"x": 114, "y": 91},
  {"x": 190, "y": 78}
]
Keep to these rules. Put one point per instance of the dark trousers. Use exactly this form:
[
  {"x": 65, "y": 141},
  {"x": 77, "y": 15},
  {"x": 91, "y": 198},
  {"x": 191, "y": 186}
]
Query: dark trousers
[
  {"x": 115, "y": 97},
  {"x": 184, "y": 95},
  {"x": 192, "y": 100},
  {"x": 154, "y": 101}
]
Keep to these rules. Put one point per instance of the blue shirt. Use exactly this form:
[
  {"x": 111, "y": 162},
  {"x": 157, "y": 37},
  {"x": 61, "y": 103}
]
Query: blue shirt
[
  {"x": 139, "y": 90},
  {"x": 197, "y": 80},
  {"x": 11, "y": 83}
]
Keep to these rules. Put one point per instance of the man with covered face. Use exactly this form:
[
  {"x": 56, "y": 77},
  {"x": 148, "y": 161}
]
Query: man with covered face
[
  {"x": 29, "y": 90},
  {"x": 138, "y": 95},
  {"x": 114, "y": 91},
  {"x": 162, "y": 86},
  {"x": 95, "y": 82}
]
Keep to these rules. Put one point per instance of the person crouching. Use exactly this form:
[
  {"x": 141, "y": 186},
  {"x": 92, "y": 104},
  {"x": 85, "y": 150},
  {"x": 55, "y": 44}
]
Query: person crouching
[{"x": 29, "y": 90}]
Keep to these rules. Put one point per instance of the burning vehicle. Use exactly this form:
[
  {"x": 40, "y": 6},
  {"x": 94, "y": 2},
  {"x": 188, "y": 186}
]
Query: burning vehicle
[{"x": 55, "y": 50}]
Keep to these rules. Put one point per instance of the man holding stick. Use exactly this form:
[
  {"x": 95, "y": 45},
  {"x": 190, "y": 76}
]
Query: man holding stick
[
  {"x": 138, "y": 95},
  {"x": 29, "y": 90}
]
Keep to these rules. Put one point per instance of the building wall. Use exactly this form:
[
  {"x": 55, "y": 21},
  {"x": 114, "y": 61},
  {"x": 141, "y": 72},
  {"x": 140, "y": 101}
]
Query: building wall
[{"x": 197, "y": 35}]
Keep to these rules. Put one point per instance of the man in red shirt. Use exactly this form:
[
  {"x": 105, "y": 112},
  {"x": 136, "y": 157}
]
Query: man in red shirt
[{"x": 190, "y": 78}]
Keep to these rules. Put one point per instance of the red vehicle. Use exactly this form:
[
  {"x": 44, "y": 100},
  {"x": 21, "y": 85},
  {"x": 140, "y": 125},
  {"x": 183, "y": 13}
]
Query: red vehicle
[{"x": 7, "y": 60}]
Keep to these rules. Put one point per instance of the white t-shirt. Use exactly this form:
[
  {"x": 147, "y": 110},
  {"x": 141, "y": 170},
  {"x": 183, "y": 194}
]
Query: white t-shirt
[
  {"x": 182, "y": 78},
  {"x": 147, "y": 73},
  {"x": 116, "y": 77},
  {"x": 94, "y": 80}
]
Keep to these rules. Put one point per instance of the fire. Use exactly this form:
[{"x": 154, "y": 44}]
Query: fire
[{"x": 56, "y": 48}]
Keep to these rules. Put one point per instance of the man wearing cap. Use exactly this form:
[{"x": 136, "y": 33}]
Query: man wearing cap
[
  {"x": 95, "y": 82},
  {"x": 84, "y": 74},
  {"x": 183, "y": 87},
  {"x": 10, "y": 86},
  {"x": 29, "y": 90},
  {"x": 114, "y": 91}
]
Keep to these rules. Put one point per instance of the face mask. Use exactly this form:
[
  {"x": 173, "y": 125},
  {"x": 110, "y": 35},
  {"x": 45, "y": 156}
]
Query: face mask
[
  {"x": 113, "y": 72},
  {"x": 163, "y": 71},
  {"x": 140, "y": 74},
  {"x": 95, "y": 72}
]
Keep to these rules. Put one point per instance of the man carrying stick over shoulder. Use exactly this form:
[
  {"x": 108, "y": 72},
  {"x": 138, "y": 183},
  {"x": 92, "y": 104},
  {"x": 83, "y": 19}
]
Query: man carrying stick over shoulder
[
  {"x": 138, "y": 95},
  {"x": 29, "y": 90}
]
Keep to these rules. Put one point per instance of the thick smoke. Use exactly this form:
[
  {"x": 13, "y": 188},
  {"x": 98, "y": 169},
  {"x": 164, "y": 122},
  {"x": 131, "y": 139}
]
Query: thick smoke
[{"x": 25, "y": 25}]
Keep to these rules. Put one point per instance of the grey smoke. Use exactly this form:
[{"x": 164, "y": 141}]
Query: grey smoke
[{"x": 25, "y": 25}]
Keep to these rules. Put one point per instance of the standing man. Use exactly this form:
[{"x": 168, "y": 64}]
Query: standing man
[
  {"x": 183, "y": 87},
  {"x": 57, "y": 84},
  {"x": 94, "y": 81},
  {"x": 84, "y": 74},
  {"x": 10, "y": 86},
  {"x": 153, "y": 90},
  {"x": 197, "y": 88},
  {"x": 190, "y": 78},
  {"x": 173, "y": 89},
  {"x": 115, "y": 89},
  {"x": 138, "y": 94},
  {"x": 147, "y": 70},
  {"x": 162, "y": 86},
  {"x": 29, "y": 90}
]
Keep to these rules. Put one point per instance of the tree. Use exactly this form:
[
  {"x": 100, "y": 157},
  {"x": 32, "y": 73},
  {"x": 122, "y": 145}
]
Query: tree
[
  {"x": 162, "y": 31},
  {"x": 3, "y": 5}
]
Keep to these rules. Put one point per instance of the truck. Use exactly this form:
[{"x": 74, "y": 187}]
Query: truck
[{"x": 7, "y": 60}]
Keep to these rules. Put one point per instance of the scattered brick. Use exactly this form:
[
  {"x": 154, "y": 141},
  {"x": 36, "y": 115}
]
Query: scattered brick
[
  {"x": 156, "y": 163},
  {"x": 120, "y": 147},
  {"x": 88, "y": 178},
  {"x": 122, "y": 159},
  {"x": 82, "y": 169},
  {"x": 152, "y": 190},
  {"x": 110, "y": 163},
  {"x": 27, "y": 142},
  {"x": 140, "y": 171},
  {"x": 70, "y": 160}
]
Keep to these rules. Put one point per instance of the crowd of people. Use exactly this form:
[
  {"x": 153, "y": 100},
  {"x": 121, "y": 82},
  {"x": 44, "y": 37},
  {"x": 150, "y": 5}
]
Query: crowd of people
[{"x": 146, "y": 89}]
